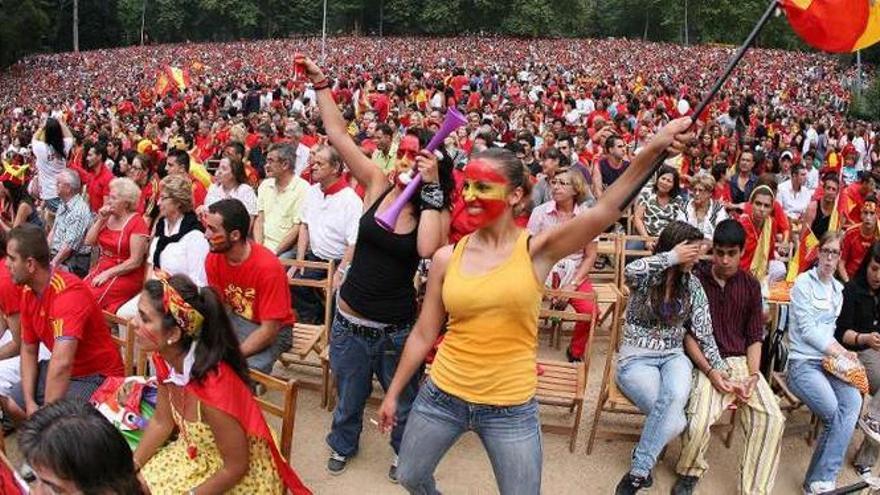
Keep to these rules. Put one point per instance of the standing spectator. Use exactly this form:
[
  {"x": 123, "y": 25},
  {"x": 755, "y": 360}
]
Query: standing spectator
[
  {"x": 178, "y": 163},
  {"x": 58, "y": 311},
  {"x": 701, "y": 210},
  {"x": 384, "y": 156},
  {"x": 122, "y": 237},
  {"x": 735, "y": 306},
  {"x": 51, "y": 145},
  {"x": 230, "y": 181},
  {"x": 328, "y": 231},
  {"x": 279, "y": 203},
  {"x": 252, "y": 284},
  {"x": 817, "y": 299},
  {"x": 72, "y": 221},
  {"x": 95, "y": 176}
]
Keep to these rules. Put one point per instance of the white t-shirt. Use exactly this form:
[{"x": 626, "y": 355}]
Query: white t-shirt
[
  {"x": 184, "y": 257},
  {"x": 243, "y": 193},
  {"x": 793, "y": 203},
  {"x": 49, "y": 164},
  {"x": 302, "y": 159},
  {"x": 332, "y": 221}
]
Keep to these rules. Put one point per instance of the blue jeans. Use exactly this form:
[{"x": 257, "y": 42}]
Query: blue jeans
[
  {"x": 659, "y": 385},
  {"x": 511, "y": 436},
  {"x": 354, "y": 359},
  {"x": 837, "y": 404}
]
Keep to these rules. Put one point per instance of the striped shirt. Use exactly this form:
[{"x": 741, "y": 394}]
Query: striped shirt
[
  {"x": 736, "y": 308},
  {"x": 72, "y": 221}
]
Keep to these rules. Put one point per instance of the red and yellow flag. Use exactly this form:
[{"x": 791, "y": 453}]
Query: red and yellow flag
[
  {"x": 835, "y": 25},
  {"x": 172, "y": 79},
  {"x": 804, "y": 254}
]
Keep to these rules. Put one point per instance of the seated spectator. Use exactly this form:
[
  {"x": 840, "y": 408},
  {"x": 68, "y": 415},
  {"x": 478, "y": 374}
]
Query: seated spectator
[
  {"x": 553, "y": 160},
  {"x": 72, "y": 448},
  {"x": 10, "y": 319},
  {"x": 224, "y": 444},
  {"x": 743, "y": 182},
  {"x": 17, "y": 207},
  {"x": 735, "y": 305},
  {"x": 72, "y": 221},
  {"x": 122, "y": 236},
  {"x": 857, "y": 239},
  {"x": 571, "y": 273},
  {"x": 279, "y": 203},
  {"x": 95, "y": 176},
  {"x": 178, "y": 164},
  {"x": 794, "y": 194},
  {"x": 59, "y": 312},
  {"x": 761, "y": 235},
  {"x": 652, "y": 368},
  {"x": 853, "y": 196},
  {"x": 658, "y": 206},
  {"x": 819, "y": 212},
  {"x": 178, "y": 245},
  {"x": 251, "y": 282},
  {"x": 141, "y": 172},
  {"x": 230, "y": 181},
  {"x": 328, "y": 231},
  {"x": 817, "y": 299},
  {"x": 858, "y": 330},
  {"x": 701, "y": 210}
]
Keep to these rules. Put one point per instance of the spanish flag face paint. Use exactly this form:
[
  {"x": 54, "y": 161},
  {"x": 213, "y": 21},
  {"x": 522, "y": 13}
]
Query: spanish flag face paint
[{"x": 484, "y": 192}]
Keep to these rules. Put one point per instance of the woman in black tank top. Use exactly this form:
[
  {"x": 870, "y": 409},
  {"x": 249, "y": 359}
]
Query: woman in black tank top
[{"x": 377, "y": 301}]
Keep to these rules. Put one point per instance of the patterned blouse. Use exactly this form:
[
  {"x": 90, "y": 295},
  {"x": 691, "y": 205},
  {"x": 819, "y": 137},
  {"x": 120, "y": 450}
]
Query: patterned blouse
[
  {"x": 644, "y": 332},
  {"x": 657, "y": 216}
]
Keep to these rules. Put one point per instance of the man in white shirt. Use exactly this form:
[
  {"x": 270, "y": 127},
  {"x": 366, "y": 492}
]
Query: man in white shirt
[
  {"x": 328, "y": 230},
  {"x": 293, "y": 132},
  {"x": 793, "y": 193}
]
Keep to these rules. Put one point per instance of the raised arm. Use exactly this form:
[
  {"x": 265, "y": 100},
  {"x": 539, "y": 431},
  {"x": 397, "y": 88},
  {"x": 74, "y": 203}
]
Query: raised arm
[
  {"x": 362, "y": 168},
  {"x": 554, "y": 244}
]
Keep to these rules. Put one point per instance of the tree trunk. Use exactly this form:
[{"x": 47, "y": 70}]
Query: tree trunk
[{"x": 75, "y": 26}]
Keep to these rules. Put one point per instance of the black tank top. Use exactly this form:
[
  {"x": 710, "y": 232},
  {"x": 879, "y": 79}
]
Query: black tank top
[
  {"x": 379, "y": 284},
  {"x": 609, "y": 173},
  {"x": 821, "y": 222}
]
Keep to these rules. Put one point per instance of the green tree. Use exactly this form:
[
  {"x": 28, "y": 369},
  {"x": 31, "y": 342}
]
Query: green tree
[{"x": 23, "y": 30}]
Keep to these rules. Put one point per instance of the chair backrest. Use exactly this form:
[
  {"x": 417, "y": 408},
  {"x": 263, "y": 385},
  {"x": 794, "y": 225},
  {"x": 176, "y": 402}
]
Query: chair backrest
[
  {"x": 608, "y": 246},
  {"x": 560, "y": 383},
  {"x": 125, "y": 342},
  {"x": 632, "y": 248},
  {"x": 325, "y": 284},
  {"x": 286, "y": 411}
]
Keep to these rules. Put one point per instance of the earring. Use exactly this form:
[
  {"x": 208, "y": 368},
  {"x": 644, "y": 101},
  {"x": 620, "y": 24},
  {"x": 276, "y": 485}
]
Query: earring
[{"x": 169, "y": 342}]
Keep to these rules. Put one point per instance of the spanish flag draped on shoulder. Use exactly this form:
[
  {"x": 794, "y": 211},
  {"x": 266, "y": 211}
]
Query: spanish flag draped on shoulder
[{"x": 837, "y": 26}]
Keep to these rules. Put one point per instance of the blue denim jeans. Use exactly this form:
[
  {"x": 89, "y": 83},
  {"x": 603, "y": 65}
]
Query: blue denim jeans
[
  {"x": 354, "y": 360},
  {"x": 659, "y": 385},
  {"x": 511, "y": 436},
  {"x": 837, "y": 404}
]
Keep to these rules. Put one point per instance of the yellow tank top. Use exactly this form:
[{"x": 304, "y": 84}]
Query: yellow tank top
[{"x": 488, "y": 354}]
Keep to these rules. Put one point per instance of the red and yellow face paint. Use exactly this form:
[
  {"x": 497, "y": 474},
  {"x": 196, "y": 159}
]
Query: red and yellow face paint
[
  {"x": 406, "y": 160},
  {"x": 486, "y": 189}
]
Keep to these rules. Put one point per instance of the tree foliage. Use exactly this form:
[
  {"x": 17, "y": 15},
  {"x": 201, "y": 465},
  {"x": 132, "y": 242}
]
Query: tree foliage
[{"x": 46, "y": 25}]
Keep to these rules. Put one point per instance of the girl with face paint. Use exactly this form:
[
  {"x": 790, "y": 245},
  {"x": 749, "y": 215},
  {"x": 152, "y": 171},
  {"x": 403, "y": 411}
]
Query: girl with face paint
[
  {"x": 377, "y": 301},
  {"x": 487, "y": 290}
]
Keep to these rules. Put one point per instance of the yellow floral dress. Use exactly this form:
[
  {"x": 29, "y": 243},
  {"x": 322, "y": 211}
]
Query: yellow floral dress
[{"x": 171, "y": 471}]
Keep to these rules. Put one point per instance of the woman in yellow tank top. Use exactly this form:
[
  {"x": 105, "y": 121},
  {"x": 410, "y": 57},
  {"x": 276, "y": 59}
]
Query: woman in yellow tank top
[{"x": 489, "y": 285}]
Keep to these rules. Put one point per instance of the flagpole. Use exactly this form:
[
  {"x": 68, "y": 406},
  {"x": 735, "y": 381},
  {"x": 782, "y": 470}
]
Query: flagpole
[{"x": 771, "y": 8}]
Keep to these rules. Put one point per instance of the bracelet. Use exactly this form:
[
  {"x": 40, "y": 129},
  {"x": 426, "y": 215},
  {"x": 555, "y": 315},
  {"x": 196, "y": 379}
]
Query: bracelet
[
  {"x": 322, "y": 84},
  {"x": 432, "y": 196}
]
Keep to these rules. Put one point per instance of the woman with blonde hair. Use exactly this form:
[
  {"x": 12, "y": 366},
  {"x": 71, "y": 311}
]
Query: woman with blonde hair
[
  {"x": 701, "y": 210},
  {"x": 121, "y": 234},
  {"x": 569, "y": 192}
]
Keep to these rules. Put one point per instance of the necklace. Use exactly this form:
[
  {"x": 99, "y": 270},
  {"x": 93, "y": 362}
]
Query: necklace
[{"x": 180, "y": 418}]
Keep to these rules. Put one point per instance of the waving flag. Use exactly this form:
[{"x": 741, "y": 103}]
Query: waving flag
[
  {"x": 804, "y": 255},
  {"x": 171, "y": 79},
  {"x": 835, "y": 25}
]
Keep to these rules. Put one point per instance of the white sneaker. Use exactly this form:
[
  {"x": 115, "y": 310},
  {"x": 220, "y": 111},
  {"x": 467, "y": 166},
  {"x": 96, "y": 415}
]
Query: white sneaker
[{"x": 818, "y": 487}]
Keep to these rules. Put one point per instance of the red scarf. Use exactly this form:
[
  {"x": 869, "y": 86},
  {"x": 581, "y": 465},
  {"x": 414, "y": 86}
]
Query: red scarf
[
  {"x": 223, "y": 390},
  {"x": 335, "y": 187}
]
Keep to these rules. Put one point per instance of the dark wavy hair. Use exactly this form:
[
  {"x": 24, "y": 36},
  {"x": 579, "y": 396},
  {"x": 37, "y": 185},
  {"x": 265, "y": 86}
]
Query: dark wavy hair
[
  {"x": 217, "y": 340},
  {"x": 74, "y": 441},
  {"x": 676, "y": 180},
  {"x": 861, "y": 275},
  {"x": 677, "y": 308},
  {"x": 54, "y": 137}
]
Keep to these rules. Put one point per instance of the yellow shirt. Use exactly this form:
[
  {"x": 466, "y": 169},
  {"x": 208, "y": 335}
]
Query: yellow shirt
[
  {"x": 281, "y": 209},
  {"x": 489, "y": 351}
]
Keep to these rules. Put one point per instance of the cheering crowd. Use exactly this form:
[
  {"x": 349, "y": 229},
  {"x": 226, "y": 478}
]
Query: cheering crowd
[{"x": 173, "y": 205}]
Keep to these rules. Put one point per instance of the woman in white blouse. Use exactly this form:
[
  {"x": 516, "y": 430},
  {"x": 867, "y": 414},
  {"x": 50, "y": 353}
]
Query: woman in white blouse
[
  {"x": 702, "y": 211},
  {"x": 178, "y": 245},
  {"x": 230, "y": 181}
]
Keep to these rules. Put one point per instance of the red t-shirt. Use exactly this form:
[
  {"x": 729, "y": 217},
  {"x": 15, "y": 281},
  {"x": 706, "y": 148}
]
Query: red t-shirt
[
  {"x": 67, "y": 310},
  {"x": 256, "y": 289},
  {"x": 10, "y": 294},
  {"x": 199, "y": 193},
  {"x": 752, "y": 235},
  {"x": 97, "y": 184},
  {"x": 853, "y": 248}
]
